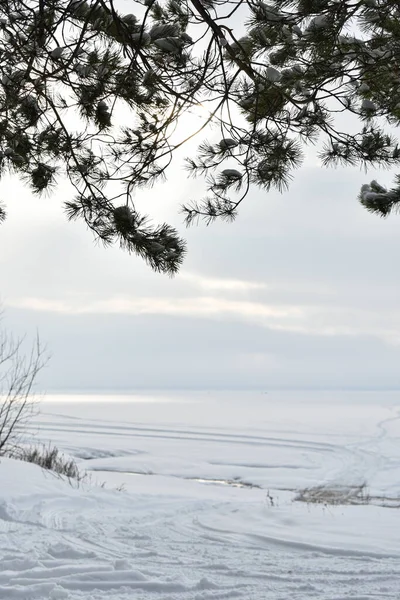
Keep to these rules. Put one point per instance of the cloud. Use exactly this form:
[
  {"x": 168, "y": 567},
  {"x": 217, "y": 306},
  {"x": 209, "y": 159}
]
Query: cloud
[
  {"x": 313, "y": 320},
  {"x": 194, "y": 307},
  {"x": 125, "y": 352},
  {"x": 301, "y": 290},
  {"x": 218, "y": 283}
]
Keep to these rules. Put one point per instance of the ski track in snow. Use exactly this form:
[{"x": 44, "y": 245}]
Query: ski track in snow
[{"x": 168, "y": 537}]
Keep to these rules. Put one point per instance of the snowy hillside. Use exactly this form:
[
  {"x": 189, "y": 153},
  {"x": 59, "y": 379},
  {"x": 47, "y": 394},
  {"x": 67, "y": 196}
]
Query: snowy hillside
[{"x": 207, "y": 510}]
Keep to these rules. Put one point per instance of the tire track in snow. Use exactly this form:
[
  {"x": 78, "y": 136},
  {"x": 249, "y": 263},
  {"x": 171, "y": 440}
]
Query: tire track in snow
[
  {"x": 369, "y": 457},
  {"x": 103, "y": 545},
  {"x": 172, "y": 559}
]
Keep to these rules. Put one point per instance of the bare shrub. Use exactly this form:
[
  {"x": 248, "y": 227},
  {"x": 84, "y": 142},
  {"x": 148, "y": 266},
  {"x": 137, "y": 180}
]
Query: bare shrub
[{"x": 18, "y": 372}]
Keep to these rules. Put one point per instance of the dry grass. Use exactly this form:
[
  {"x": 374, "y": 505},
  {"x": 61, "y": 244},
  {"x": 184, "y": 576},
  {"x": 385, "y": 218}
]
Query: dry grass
[
  {"x": 336, "y": 495},
  {"x": 51, "y": 459}
]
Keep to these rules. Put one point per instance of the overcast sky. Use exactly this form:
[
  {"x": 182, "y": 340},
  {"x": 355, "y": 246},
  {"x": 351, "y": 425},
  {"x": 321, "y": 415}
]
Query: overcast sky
[{"x": 302, "y": 291}]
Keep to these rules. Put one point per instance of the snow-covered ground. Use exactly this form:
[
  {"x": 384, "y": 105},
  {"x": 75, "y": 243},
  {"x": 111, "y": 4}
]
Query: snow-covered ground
[{"x": 207, "y": 507}]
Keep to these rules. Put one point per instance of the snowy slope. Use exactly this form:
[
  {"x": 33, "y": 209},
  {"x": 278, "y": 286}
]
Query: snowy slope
[{"x": 172, "y": 535}]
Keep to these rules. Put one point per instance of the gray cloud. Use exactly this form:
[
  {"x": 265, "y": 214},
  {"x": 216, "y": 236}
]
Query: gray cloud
[
  {"x": 128, "y": 352},
  {"x": 301, "y": 291}
]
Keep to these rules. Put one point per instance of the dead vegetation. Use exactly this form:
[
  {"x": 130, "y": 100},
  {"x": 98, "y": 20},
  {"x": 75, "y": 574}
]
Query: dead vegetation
[{"x": 337, "y": 495}]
